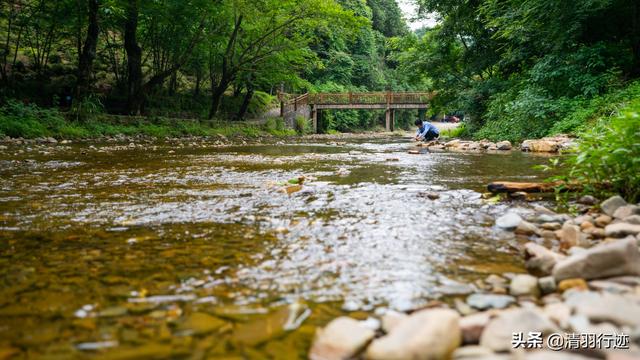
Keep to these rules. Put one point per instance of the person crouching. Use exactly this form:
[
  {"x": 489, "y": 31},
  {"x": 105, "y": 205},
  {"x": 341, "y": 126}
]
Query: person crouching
[{"x": 426, "y": 131}]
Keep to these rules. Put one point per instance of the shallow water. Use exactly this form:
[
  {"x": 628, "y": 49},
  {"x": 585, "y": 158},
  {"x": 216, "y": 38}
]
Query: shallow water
[{"x": 121, "y": 253}]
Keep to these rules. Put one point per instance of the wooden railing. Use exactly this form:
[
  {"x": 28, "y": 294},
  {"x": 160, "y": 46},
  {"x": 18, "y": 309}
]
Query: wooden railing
[{"x": 353, "y": 98}]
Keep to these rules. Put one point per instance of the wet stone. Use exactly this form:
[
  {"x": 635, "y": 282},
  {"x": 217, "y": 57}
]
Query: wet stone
[
  {"x": 490, "y": 301},
  {"x": 508, "y": 221},
  {"x": 612, "y": 204}
]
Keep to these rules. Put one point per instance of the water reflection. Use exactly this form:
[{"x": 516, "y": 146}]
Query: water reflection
[{"x": 90, "y": 230}]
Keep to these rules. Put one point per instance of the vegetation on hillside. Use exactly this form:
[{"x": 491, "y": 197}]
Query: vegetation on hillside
[{"x": 526, "y": 69}]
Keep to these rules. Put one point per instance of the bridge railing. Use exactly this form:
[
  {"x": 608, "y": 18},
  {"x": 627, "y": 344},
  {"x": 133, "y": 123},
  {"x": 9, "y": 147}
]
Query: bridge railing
[{"x": 369, "y": 98}]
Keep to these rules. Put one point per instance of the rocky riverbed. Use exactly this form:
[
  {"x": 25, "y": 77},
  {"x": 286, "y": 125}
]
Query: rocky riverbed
[{"x": 583, "y": 281}]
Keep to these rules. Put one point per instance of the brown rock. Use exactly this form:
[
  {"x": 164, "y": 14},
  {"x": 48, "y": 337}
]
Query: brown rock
[
  {"x": 578, "y": 284},
  {"x": 603, "y": 220}
]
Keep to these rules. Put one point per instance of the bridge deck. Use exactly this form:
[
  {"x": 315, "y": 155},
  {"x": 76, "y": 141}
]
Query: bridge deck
[{"x": 312, "y": 104}]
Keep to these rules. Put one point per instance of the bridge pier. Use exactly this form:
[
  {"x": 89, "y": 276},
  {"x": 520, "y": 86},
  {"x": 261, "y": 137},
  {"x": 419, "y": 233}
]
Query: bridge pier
[
  {"x": 390, "y": 119},
  {"x": 314, "y": 119}
]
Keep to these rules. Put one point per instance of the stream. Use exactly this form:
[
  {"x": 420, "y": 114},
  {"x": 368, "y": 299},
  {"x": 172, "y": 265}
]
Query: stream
[{"x": 199, "y": 251}]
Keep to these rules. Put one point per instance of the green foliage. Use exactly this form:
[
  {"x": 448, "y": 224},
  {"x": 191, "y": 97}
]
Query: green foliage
[
  {"x": 456, "y": 132},
  {"x": 302, "y": 125},
  {"x": 524, "y": 69},
  {"x": 607, "y": 160},
  {"x": 276, "y": 126},
  {"x": 30, "y": 121}
]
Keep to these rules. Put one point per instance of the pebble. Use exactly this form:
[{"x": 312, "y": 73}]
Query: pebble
[
  {"x": 603, "y": 220},
  {"x": 577, "y": 284},
  {"x": 547, "y": 285},
  {"x": 489, "y": 301},
  {"x": 587, "y": 200},
  {"x": 524, "y": 285}
]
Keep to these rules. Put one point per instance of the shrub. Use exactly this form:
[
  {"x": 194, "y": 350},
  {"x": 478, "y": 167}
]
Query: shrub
[
  {"x": 302, "y": 125},
  {"x": 607, "y": 160}
]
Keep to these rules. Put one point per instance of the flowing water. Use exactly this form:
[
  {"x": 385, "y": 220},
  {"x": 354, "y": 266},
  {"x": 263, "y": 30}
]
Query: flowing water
[{"x": 166, "y": 251}]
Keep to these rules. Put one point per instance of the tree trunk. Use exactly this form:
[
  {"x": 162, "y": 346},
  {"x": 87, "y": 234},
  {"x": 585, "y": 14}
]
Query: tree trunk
[
  {"x": 134, "y": 60},
  {"x": 173, "y": 83},
  {"x": 216, "y": 96},
  {"x": 226, "y": 78},
  {"x": 196, "y": 91},
  {"x": 88, "y": 54},
  {"x": 245, "y": 103}
]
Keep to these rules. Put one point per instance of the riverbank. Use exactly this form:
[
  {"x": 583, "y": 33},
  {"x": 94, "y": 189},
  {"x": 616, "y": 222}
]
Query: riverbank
[{"x": 581, "y": 295}]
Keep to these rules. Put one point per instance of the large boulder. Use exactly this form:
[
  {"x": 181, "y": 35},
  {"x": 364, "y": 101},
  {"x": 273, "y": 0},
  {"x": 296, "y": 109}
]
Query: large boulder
[
  {"x": 498, "y": 334},
  {"x": 608, "y": 259},
  {"x": 548, "y": 144},
  {"x": 612, "y": 204},
  {"x": 342, "y": 338},
  {"x": 426, "y": 334}
]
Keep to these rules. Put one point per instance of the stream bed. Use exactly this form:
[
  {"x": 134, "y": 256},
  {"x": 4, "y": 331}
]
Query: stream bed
[{"x": 198, "y": 251}]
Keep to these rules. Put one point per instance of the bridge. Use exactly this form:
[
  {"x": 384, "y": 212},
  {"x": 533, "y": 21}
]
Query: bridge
[{"x": 310, "y": 106}]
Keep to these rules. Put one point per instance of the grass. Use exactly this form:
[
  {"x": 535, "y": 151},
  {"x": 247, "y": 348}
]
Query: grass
[
  {"x": 29, "y": 121},
  {"x": 454, "y": 132}
]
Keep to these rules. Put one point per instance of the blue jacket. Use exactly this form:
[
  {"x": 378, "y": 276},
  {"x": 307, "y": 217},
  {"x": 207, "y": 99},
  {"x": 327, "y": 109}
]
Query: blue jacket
[{"x": 426, "y": 127}]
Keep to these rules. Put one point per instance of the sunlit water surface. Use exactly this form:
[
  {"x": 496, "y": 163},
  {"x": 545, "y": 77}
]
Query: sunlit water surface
[{"x": 108, "y": 252}]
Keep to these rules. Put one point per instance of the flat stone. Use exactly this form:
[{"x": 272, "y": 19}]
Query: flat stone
[
  {"x": 498, "y": 334},
  {"x": 540, "y": 260},
  {"x": 426, "y": 334},
  {"x": 603, "y": 220},
  {"x": 508, "y": 221},
  {"x": 524, "y": 285},
  {"x": 547, "y": 285},
  {"x": 342, "y": 338},
  {"x": 551, "y": 226},
  {"x": 612, "y": 204},
  {"x": 619, "y": 230},
  {"x": 473, "y": 325},
  {"x": 527, "y": 228},
  {"x": 616, "y": 258},
  {"x": 559, "y": 313},
  {"x": 490, "y": 301},
  {"x": 626, "y": 211},
  {"x": 610, "y": 286},
  {"x": 607, "y": 307}
]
